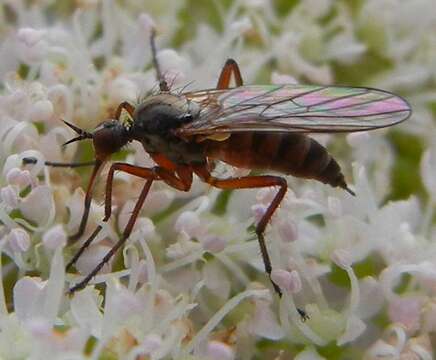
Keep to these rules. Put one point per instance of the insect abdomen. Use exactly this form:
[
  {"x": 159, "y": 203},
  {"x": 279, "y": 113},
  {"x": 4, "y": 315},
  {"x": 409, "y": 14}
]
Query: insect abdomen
[{"x": 288, "y": 153}]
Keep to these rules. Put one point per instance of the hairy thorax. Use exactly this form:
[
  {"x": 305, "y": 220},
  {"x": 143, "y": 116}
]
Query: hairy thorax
[{"x": 154, "y": 125}]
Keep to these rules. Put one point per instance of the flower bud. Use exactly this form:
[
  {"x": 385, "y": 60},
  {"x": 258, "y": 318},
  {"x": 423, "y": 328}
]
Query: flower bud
[
  {"x": 217, "y": 350},
  {"x": 41, "y": 110},
  {"x": 19, "y": 240},
  {"x": 9, "y": 196},
  {"x": 188, "y": 222},
  {"x": 54, "y": 238},
  {"x": 213, "y": 243},
  {"x": 19, "y": 177},
  {"x": 286, "y": 280}
]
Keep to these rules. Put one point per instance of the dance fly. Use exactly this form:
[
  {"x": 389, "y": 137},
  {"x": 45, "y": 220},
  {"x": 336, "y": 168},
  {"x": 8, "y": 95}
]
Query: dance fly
[{"x": 259, "y": 127}]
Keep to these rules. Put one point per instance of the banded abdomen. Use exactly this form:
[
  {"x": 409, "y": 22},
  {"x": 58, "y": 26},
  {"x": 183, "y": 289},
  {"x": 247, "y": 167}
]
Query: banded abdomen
[{"x": 288, "y": 153}]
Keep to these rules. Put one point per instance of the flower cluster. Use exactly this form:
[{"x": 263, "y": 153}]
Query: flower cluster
[{"x": 190, "y": 281}]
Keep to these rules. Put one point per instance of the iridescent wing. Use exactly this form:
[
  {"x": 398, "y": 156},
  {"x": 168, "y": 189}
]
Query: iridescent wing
[{"x": 294, "y": 108}]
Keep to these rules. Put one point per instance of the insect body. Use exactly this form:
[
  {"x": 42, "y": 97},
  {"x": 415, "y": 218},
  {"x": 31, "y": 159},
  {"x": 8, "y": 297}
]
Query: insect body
[{"x": 254, "y": 127}]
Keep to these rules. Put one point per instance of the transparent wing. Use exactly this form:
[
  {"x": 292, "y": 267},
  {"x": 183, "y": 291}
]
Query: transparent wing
[{"x": 295, "y": 108}]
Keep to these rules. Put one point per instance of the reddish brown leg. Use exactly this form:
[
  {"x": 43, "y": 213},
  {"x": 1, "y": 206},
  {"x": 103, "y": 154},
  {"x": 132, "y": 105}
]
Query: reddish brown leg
[
  {"x": 120, "y": 242},
  {"x": 126, "y": 106},
  {"x": 182, "y": 182},
  {"x": 130, "y": 169},
  {"x": 251, "y": 182},
  {"x": 230, "y": 67},
  {"x": 88, "y": 198}
]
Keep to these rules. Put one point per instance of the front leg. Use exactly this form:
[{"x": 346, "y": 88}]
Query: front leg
[{"x": 181, "y": 180}]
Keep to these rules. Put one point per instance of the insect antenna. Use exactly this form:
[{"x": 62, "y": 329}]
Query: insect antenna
[{"x": 162, "y": 83}]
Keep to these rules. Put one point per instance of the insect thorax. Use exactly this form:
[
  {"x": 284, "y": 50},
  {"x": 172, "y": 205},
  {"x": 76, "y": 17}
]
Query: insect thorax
[{"x": 155, "y": 122}]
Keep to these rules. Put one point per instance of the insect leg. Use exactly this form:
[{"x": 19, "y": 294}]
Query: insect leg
[
  {"x": 126, "y": 106},
  {"x": 127, "y": 168},
  {"x": 183, "y": 182},
  {"x": 120, "y": 242},
  {"x": 87, "y": 203},
  {"x": 251, "y": 182},
  {"x": 230, "y": 67}
]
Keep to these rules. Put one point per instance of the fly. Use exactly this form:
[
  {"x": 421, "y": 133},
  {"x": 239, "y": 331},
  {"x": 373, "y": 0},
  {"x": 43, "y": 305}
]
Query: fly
[{"x": 261, "y": 127}]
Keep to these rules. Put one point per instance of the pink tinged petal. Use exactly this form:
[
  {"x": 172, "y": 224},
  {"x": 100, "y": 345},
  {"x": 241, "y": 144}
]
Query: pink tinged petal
[
  {"x": 406, "y": 311},
  {"x": 21, "y": 178},
  {"x": 86, "y": 312},
  {"x": 354, "y": 328},
  {"x": 213, "y": 243},
  {"x": 54, "y": 238},
  {"x": 288, "y": 230},
  {"x": 217, "y": 350},
  {"x": 9, "y": 195},
  {"x": 289, "y": 281},
  {"x": 28, "y": 297},
  {"x": 19, "y": 240},
  {"x": 264, "y": 322},
  {"x": 37, "y": 206}
]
